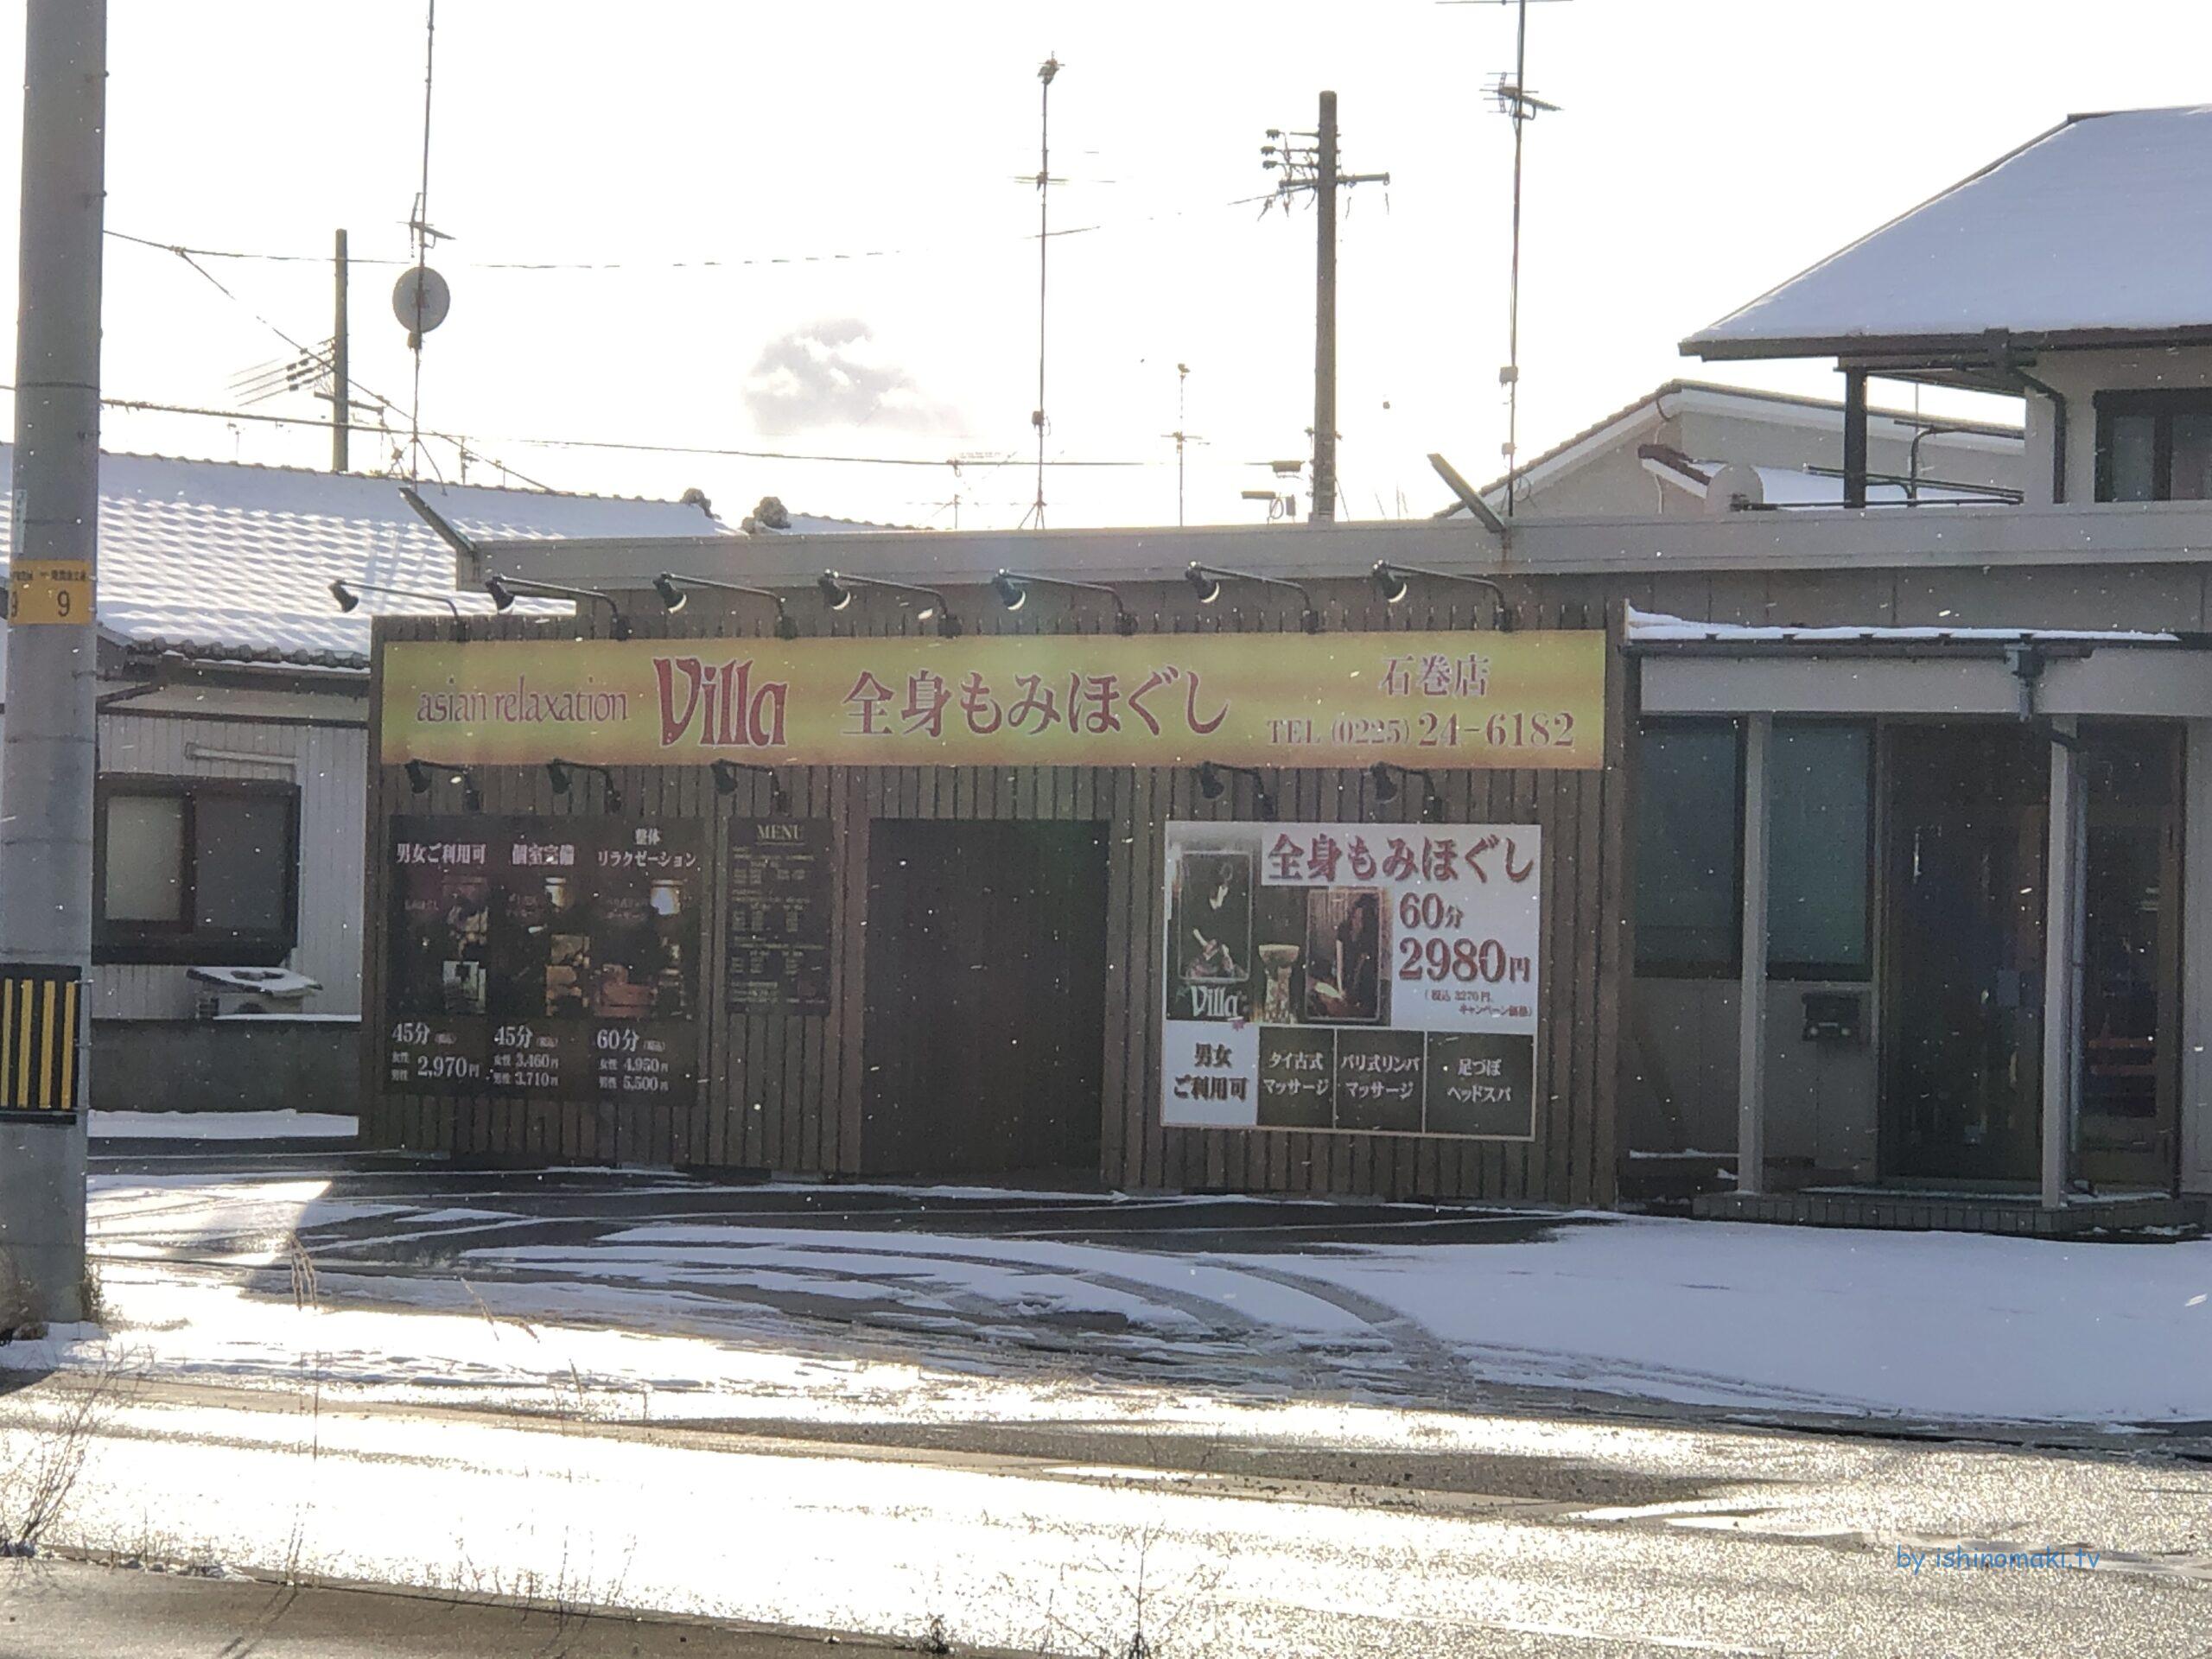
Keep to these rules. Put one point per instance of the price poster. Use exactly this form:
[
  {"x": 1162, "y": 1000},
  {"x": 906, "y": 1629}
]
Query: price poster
[
  {"x": 1377, "y": 979},
  {"x": 548, "y": 958}
]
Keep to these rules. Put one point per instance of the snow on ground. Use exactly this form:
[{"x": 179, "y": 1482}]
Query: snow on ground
[
  {"x": 284, "y": 1125},
  {"x": 709, "y": 1315}
]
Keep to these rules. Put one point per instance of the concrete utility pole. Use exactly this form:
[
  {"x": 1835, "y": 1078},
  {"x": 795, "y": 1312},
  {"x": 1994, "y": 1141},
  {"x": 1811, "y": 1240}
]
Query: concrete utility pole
[
  {"x": 1314, "y": 167},
  {"x": 341, "y": 389},
  {"x": 46, "y": 764}
]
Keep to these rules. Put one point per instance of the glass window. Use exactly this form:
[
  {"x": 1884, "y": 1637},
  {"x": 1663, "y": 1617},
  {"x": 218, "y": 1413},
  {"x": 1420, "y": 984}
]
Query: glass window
[
  {"x": 2191, "y": 466},
  {"x": 2133, "y": 442},
  {"x": 241, "y": 845},
  {"x": 197, "y": 870},
  {"x": 2154, "y": 446},
  {"x": 145, "y": 858},
  {"x": 1820, "y": 832},
  {"x": 1689, "y": 849}
]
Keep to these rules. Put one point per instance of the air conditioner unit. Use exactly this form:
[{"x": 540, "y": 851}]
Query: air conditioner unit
[{"x": 226, "y": 991}]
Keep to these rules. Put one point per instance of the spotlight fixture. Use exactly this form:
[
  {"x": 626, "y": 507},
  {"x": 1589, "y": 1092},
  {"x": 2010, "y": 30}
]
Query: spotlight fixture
[
  {"x": 1205, "y": 581},
  {"x": 1394, "y": 582},
  {"x": 728, "y": 774},
  {"x": 837, "y": 586},
  {"x": 1013, "y": 589},
  {"x": 1212, "y": 786},
  {"x": 561, "y": 775},
  {"x": 422, "y": 775},
  {"x": 670, "y": 585},
  {"x": 347, "y": 595},
  {"x": 1386, "y": 774},
  {"x": 503, "y": 591}
]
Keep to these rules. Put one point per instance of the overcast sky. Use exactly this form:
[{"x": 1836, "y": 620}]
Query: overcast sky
[{"x": 1706, "y": 149}]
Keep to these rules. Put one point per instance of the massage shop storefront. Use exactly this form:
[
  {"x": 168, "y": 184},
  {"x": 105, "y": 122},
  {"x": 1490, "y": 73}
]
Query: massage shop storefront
[{"x": 1219, "y": 910}]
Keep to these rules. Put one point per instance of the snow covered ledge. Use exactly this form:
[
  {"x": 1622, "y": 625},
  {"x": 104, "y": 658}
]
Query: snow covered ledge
[{"x": 1693, "y": 667}]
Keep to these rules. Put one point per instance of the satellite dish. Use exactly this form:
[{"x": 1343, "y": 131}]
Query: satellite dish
[{"x": 420, "y": 299}]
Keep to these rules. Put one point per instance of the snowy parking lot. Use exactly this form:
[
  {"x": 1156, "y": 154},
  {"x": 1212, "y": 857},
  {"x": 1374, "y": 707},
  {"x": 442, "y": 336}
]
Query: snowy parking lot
[
  {"x": 1398, "y": 1303},
  {"x": 1230, "y": 1426}
]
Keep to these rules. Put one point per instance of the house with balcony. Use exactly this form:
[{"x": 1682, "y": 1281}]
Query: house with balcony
[{"x": 1923, "y": 908}]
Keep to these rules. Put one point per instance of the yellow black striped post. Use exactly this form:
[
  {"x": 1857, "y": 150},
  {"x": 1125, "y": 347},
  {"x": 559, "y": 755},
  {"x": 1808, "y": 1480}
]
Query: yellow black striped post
[{"x": 38, "y": 1039}]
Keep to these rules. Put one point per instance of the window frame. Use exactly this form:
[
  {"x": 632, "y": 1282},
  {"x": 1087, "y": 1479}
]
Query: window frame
[
  {"x": 1816, "y": 972},
  {"x": 186, "y": 943},
  {"x": 1732, "y": 966},
  {"x": 2162, "y": 404}
]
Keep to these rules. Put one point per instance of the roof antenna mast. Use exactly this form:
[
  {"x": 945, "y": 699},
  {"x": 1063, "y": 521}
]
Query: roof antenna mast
[
  {"x": 421, "y": 299},
  {"x": 1046, "y": 71},
  {"x": 1519, "y": 105}
]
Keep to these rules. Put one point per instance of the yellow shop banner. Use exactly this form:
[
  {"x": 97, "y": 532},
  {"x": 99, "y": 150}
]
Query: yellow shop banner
[{"x": 1437, "y": 700}]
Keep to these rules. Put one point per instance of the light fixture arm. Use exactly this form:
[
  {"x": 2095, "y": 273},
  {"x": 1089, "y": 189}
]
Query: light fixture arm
[
  {"x": 1125, "y": 621},
  {"x": 1200, "y": 575},
  {"x": 559, "y": 772},
  {"x": 939, "y": 607},
  {"x": 348, "y": 594},
  {"x": 1389, "y": 578},
  {"x": 1213, "y": 789},
  {"x": 670, "y": 585},
  {"x": 506, "y": 589}
]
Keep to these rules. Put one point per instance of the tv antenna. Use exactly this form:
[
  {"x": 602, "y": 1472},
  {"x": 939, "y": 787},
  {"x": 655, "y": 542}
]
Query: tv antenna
[
  {"x": 1182, "y": 436},
  {"x": 1046, "y": 71},
  {"x": 1521, "y": 106},
  {"x": 420, "y": 299}
]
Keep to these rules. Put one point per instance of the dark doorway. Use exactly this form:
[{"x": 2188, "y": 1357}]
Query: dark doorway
[
  {"x": 1963, "y": 1020},
  {"x": 986, "y": 998},
  {"x": 2131, "y": 969}
]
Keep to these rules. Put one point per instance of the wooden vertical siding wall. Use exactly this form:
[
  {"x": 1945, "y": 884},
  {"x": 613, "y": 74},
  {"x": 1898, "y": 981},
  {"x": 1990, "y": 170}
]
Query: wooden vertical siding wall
[{"x": 788, "y": 1093}]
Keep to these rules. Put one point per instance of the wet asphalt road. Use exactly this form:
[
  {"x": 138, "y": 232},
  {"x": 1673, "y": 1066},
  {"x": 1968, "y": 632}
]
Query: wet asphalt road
[{"x": 1516, "y": 1525}]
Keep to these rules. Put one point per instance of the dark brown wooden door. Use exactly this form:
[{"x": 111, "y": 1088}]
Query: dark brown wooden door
[{"x": 985, "y": 1006}]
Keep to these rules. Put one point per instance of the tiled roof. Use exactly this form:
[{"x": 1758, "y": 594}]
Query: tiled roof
[{"x": 235, "y": 562}]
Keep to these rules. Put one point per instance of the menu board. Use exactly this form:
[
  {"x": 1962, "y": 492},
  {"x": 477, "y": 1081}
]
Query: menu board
[
  {"x": 1377, "y": 979},
  {"x": 548, "y": 958},
  {"x": 778, "y": 916}
]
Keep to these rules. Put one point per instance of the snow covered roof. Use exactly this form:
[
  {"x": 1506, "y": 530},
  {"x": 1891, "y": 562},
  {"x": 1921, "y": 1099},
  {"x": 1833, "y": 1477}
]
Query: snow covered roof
[
  {"x": 1744, "y": 402},
  {"x": 1656, "y": 628},
  {"x": 2098, "y": 231},
  {"x": 234, "y": 562}
]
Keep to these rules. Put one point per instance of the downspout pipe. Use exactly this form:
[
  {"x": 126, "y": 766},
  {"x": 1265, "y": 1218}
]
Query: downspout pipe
[{"x": 2057, "y": 431}]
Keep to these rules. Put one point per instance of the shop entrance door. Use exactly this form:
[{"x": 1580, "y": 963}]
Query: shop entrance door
[
  {"x": 986, "y": 998},
  {"x": 1963, "y": 1016},
  {"x": 2131, "y": 970}
]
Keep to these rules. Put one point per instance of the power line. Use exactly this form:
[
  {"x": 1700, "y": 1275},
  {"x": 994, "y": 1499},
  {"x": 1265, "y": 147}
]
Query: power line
[
  {"x": 140, "y": 405},
  {"x": 710, "y": 262}
]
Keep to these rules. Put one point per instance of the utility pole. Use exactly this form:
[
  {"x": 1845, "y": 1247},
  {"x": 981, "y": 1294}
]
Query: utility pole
[
  {"x": 48, "y": 764},
  {"x": 1313, "y": 167},
  {"x": 341, "y": 390}
]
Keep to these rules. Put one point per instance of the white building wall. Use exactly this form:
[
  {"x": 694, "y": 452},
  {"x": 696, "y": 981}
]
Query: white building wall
[
  {"x": 330, "y": 763},
  {"x": 2079, "y": 376}
]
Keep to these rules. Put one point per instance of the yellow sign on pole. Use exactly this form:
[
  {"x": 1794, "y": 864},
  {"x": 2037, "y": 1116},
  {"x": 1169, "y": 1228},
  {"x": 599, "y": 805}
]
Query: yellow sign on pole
[
  {"x": 1435, "y": 700},
  {"x": 38, "y": 1039},
  {"x": 49, "y": 591}
]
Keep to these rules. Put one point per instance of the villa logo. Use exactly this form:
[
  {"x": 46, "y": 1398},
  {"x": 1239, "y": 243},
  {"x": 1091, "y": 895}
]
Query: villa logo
[{"x": 720, "y": 701}]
